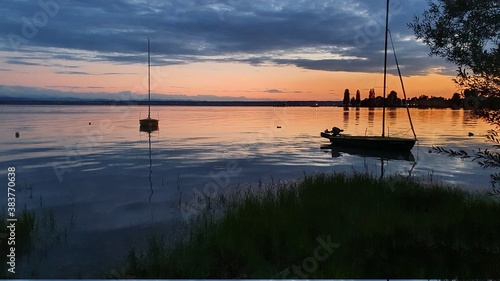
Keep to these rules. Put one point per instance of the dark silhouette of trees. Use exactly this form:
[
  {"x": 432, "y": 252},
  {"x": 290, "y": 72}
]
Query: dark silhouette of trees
[
  {"x": 484, "y": 157},
  {"x": 423, "y": 101},
  {"x": 371, "y": 94},
  {"x": 392, "y": 99},
  {"x": 471, "y": 99},
  {"x": 346, "y": 97},
  {"x": 456, "y": 101},
  {"x": 370, "y": 101},
  {"x": 466, "y": 33},
  {"x": 358, "y": 98},
  {"x": 456, "y": 98}
]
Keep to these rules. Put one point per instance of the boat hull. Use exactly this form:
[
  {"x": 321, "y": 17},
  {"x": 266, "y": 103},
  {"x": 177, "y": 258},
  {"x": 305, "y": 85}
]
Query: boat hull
[
  {"x": 339, "y": 150},
  {"x": 148, "y": 124},
  {"x": 371, "y": 142}
]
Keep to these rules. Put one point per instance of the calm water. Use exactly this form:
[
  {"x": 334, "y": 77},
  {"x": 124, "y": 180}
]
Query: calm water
[{"x": 92, "y": 168}]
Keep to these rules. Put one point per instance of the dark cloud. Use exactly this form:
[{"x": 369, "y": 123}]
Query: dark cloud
[
  {"x": 75, "y": 87},
  {"x": 53, "y": 92},
  {"x": 90, "y": 73},
  {"x": 273, "y": 91},
  {"x": 21, "y": 62},
  {"x": 74, "y": 72},
  {"x": 326, "y": 35},
  {"x": 277, "y": 91}
]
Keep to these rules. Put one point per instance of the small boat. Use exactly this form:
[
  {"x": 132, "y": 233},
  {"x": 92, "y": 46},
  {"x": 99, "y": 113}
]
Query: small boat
[
  {"x": 340, "y": 150},
  {"x": 371, "y": 142},
  {"x": 376, "y": 142},
  {"x": 149, "y": 124}
]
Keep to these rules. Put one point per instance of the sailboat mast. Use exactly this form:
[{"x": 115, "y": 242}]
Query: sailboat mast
[
  {"x": 402, "y": 86},
  {"x": 385, "y": 66},
  {"x": 149, "y": 82}
]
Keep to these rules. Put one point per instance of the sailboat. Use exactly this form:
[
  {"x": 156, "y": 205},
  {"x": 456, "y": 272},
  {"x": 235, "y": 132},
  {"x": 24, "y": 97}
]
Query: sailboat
[
  {"x": 149, "y": 124},
  {"x": 382, "y": 142}
]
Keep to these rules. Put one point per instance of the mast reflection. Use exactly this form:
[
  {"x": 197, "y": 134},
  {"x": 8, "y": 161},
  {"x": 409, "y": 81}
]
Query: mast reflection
[
  {"x": 149, "y": 129},
  {"x": 338, "y": 151},
  {"x": 383, "y": 156}
]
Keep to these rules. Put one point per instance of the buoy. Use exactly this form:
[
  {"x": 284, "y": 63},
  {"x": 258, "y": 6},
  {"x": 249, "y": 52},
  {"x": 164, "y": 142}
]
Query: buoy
[
  {"x": 90, "y": 123},
  {"x": 17, "y": 135},
  {"x": 471, "y": 134}
]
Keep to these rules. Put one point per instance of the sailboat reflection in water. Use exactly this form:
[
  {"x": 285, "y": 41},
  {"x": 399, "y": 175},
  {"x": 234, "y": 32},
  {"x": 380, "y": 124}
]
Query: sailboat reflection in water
[
  {"x": 149, "y": 125},
  {"x": 148, "y": 130},
  {"x": 339, "y": 150},
  {"x": 384, "y": 156}
]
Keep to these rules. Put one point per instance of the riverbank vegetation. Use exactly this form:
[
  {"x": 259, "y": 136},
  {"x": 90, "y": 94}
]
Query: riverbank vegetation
[
  {"x": 18, "y": 237},
  {"x": 334, "y": 226},
  {"x": 28, "y": 240}
]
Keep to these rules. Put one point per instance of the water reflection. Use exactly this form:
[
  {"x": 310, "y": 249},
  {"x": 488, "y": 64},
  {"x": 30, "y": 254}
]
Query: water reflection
[
  {"x": 149, "y": 130},
  {"x": 199, "y": 139},
  {"x": 346, "y": 117},
  {"x": 392, "y": 116},
  {"x": 383, "y": 156},
  {"x": 339, "y": 151},
  {"x": 371, "y": 115},
  {"x": 469, "y": 118},
  {"x": 455, "y": 115},
  {"x": 392, "y": 112}
]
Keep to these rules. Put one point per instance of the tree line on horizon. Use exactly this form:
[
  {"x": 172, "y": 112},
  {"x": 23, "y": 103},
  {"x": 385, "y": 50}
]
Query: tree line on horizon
[{"x": 469, "y": 99}]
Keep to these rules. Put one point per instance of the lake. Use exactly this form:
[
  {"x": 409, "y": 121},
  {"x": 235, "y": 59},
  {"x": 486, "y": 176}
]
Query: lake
[{"x": 109, "y": 186}]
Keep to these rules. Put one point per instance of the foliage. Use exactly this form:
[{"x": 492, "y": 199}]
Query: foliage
[
  {"x": 358, "y": 98},
  {"x": 371, "y": 94},
  {"x": 381, "y": 227},
  {"x": 346, "y": 97},
  {"x": 353, "y": 101},
  {"x": 392, "y": 99},
  {"x": 25, "y": 228},
  {"x": 36, "y": 233},
  {"x": 490, "y": 116},
  {"x": 466, "y": 33},
  {"x": 484, "y": 157}
]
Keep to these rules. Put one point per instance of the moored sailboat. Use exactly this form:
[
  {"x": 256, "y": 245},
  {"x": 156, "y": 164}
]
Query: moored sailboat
[
  {"x": 149, "y": 124},
  {"x": 382, "y": 142}
]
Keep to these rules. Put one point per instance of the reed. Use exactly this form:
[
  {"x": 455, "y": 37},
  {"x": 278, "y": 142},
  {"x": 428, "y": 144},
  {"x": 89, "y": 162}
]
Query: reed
[
  {"x": 25, "y": 228},
  {"x": 390, "y": 228},
  {"x": 36, "y": 233}
]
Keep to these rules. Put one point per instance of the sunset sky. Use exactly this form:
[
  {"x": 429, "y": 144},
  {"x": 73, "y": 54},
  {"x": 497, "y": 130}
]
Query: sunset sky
[{"x": 212, "y": 50}]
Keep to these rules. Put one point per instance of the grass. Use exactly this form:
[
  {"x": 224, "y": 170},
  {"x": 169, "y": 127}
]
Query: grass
[
  {"x": 35, "y": 234},
  {"x": 391, "y": 228},
  {"x": 24, "y": 230}
]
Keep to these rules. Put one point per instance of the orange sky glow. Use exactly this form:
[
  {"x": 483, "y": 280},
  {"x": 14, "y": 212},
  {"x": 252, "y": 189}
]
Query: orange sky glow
[{"x": 227, "y": 80}]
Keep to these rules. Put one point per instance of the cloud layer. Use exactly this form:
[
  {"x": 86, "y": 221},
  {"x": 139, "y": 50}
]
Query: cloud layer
[
  {"x": 54, "y": 93},
  {"x": 332, "y": 35}
]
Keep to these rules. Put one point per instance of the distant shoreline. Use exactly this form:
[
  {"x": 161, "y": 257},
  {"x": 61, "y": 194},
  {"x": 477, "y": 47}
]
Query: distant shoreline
[
  {"x": 194, "y": 103},
  {"x": 170, "y": 103}
]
